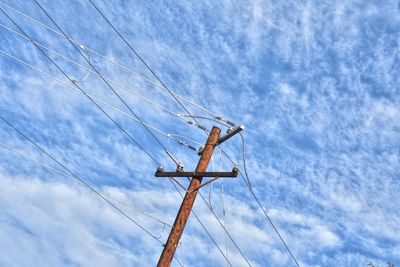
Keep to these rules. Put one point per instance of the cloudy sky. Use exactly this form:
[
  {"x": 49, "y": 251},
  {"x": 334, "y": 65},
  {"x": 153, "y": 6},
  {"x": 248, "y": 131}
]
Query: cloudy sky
[{"x": 315, "y": 83}]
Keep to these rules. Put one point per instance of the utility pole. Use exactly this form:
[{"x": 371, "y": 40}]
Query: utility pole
[{"x": 188, "y": 201}]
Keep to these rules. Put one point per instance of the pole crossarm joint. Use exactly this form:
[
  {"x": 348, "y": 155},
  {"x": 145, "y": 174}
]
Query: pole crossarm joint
[{"x": 230, "y": 132}]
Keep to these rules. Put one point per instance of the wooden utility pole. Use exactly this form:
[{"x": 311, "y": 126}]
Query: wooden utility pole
[{"x": 188, "y": 201}]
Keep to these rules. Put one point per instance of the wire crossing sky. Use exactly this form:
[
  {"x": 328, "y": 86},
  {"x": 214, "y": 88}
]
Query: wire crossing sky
[{"x": 112, "y": 89}]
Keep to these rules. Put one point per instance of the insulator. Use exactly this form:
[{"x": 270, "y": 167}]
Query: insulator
[
  {"x": 202, "y": 127},
  {"x": 230, "y": 123},
  {"x": 191, "y": 147},
  {"x": 180, "y": 167},
  {"x": 160, "y": 168},
  {"x": 235, "y": 169}
]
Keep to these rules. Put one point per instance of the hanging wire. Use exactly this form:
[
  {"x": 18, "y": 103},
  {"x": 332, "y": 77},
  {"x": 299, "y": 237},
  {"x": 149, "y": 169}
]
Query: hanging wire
[
  {"x": 244, "y": 160},
  {"x": 203, "y": 226},
  {"x": 77, "y": 177},
  {"x": 226, "y": 231},
  {"x": 94, "y": 102},
  {"x": 91, "y": 99},
  {"x": 155, "y": 75},
  {"x": 181, "y": 248},
  {"x": 264, "y": 211},
  {"x": 223, "y": 204},
  {"x": 147, "y": 66},
  {"x": 111, "y": 88},
  {"x": 89, "y": 71},
  {"x": 108, "y": 59},
  {"x": 200, "y": 222},
  {"x": 109, "y": 196},
  {"x": 82, "y": 181},
  {"x": 211, "y": 184},
  {"x": 207, "y": 118},
  {"x": 249, "y": 187},
  {"x": 169, "y": 135},
  {"x": 144, "y": 63}
]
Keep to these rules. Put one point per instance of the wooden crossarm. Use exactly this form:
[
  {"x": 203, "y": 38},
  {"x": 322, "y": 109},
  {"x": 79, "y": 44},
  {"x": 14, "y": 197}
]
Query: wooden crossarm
[{"x": 196, "y": 174}]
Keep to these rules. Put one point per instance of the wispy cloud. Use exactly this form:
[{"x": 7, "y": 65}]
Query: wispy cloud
[{"x": 315, "y": 83}]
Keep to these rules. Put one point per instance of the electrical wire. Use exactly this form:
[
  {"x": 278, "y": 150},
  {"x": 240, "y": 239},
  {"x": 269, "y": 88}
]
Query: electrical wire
[
  {"x": 223, "y": 203},
  {"x": 246, "y": 179},
  {"x": 111, "y": 88},
  {"x": 73, "y": 177},
  {"x": 224, "y": 216},
  {"x": 109, "y": 196},
  {"x": 265, "y": 212},
  {"x": 144, "y": 62},
  {"x": 206, "y": 118},
  {"x": 82, "y": 181},
  {"x": 203, "y": 226},
  {"x": 103, "y": 112},
  {"x": 181, "y": 247},
  {"x": 107, "y": 59},
  {"x": 211, "y": 184},
  {"x": 225, "y": 230},
  {"x": 169, "y": 135},
  {"x": 94, "y": 102},
  {"x": 249, "y": 187},
  {"x": 244, "y": 160},
  {"x": 187, "y": 138},
  {"x": 89, "y": 71},
  {"x": 155, "y": 75},
  {"x": 219, "y": 119}
]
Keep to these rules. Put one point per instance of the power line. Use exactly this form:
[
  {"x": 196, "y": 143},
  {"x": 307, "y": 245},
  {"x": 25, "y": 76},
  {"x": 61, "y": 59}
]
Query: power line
[
  {"x": 265, "y": 212},
  {"x": 111, "y": 88},
  {"x": 109, "y": 196},
  {"x": 43, "y": 52},
  {"x": 94, "y": 102},
  {"x": 108, "y": 59},
  {"x": 202, "y": 196},
  {"x": 77, "y": 177},
  {"x": 198, "y": 219},
  {"x": 154, "y": 74},
  {"x": 223, "y": 201},
  {"x": 104, "y": 194},
  {"x": 84, "y": 183},
  {"x": 249, "y": 187},
  {"x": 203, "y": 226},
  {"x": 142, "y": 60},
  {"x": 226, "y": 231},
  {"x": 217, "y": 119},
  {"x": 244, "y": 160},
  {"x": 168, "y": 135},
  {"x": 207, "y": 118},
  {"x": 89, "y": 70}
]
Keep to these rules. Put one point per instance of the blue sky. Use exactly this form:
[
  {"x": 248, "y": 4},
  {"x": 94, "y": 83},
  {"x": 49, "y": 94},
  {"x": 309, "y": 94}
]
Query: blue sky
[{"x": 316, "y": 84}]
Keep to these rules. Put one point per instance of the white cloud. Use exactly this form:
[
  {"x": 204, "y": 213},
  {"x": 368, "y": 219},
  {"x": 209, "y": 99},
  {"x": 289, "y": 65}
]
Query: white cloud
[{"x": 316, "y": 85}]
